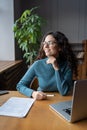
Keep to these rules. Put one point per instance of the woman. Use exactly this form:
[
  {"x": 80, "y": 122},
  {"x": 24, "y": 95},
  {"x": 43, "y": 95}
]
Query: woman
[{"x": 53, "y": 68}]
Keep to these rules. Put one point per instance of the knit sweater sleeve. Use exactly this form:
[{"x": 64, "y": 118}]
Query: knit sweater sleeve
[
  {"x": 23, "y": 85},
  {"x": 64, "y": 81}
]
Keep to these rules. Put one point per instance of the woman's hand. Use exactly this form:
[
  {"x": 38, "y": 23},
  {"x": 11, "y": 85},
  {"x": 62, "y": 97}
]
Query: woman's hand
[
  {"x": 38, "y": 95},
  {"x": 52, "y": 60}
]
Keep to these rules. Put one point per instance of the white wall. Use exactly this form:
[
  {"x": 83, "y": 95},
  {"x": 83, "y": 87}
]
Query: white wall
[{"x": 6, "y": 30}]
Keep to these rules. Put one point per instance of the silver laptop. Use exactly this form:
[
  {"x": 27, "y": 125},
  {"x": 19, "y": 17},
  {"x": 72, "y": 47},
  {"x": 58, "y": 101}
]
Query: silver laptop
[
  {"x": 2, "y": 92},
  {"x": 76, "y": 109}
]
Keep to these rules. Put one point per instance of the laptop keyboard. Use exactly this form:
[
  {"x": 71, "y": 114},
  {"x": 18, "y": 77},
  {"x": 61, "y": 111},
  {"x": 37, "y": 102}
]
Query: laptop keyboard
[{"x": 67, "y": 110}]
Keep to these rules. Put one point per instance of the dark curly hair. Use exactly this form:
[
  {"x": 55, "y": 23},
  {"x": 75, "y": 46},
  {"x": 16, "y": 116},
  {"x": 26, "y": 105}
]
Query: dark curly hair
[{"x": 66, "y": 52}]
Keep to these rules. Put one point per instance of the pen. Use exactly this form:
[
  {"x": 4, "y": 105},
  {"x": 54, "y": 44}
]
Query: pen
[{"x": 50, "y": 95}]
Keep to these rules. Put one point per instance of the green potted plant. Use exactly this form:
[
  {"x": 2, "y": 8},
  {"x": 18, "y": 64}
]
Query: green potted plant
[{"x": 27, "y": 32}]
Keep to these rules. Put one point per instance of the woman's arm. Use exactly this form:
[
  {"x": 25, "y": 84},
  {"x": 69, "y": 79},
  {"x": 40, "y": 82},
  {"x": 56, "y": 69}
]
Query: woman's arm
[
  {"x": 23, "y": 85},
  {"x": 64, "y": 80}
]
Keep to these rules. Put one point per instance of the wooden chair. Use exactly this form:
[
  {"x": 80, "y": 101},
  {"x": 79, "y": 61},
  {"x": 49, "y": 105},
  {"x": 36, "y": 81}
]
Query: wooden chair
[
  {"x": 34, "y": 84},
  {"x": 84, "y": 64}
]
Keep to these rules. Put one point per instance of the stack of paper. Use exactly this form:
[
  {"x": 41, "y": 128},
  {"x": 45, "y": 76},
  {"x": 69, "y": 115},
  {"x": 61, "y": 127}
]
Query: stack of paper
[{"x": 16, "y": 107}]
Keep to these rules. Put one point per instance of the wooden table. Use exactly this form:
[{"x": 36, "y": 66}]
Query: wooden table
[{"x": 40, "y": 116}]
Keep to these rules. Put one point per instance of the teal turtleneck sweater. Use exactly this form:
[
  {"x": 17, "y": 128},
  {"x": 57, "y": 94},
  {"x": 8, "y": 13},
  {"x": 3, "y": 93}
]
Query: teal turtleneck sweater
[{"x": 48, "y": 78}]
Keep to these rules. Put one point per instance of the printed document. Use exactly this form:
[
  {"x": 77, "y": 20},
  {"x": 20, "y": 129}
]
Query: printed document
[{"x": 16, "y": 107}]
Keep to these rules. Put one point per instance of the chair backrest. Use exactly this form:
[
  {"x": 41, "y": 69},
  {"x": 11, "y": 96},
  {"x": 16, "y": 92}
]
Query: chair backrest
[{"x": 34, "y": 84}]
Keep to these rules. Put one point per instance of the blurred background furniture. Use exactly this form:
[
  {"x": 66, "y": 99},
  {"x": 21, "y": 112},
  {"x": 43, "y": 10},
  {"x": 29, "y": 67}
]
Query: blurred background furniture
[
  {"x": 10, "y": 73},
  {"x": 82, "y": 59}
]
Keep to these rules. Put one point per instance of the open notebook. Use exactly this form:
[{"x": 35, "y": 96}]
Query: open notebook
[{"x": 16, "y": 107}]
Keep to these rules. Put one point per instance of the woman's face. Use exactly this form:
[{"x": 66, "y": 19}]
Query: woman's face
[{"x": 50, "y": 46}]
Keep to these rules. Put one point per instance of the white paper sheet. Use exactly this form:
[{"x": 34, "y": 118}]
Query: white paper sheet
[{"x": 16, "y": 107}]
